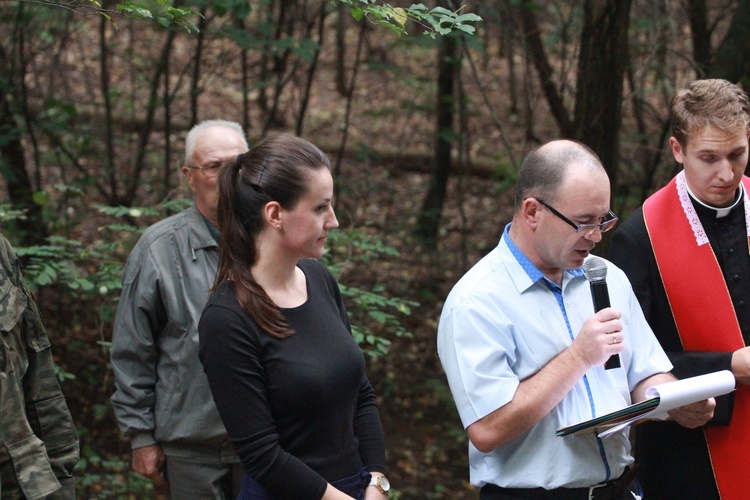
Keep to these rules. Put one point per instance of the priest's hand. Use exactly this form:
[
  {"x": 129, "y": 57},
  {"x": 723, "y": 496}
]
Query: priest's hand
[
  {"x": 741, "y": 365},
  {"x": 695, "y": 414}
]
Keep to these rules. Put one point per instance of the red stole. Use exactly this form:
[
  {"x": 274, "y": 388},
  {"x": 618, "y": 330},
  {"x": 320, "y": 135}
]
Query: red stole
[{"x": 706, "y": 321}]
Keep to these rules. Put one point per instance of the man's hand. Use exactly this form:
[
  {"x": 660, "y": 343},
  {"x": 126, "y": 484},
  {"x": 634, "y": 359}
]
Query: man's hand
[
  {"x": 741, "y": 365},
  {"x": 695, "y": 414},
  {"x": 149, "y": 462},
  {"x": 600, "y": 337}
]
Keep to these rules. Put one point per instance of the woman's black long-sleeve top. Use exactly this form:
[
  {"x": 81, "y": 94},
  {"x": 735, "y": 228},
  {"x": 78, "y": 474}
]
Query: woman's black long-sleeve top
[{"x": 299, "y": 411}]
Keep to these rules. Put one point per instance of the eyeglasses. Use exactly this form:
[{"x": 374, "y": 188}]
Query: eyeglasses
[
  {"x": 211, "y": 170},
  {"x": 586, "y": 229}
]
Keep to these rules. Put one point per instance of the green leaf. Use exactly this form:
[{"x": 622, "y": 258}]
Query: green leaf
[
  {"x": 50, "y": 271},
  {"x": 468, "y": 18},
  {"x": 403, "y": 308},
  {"x": 85, "y": 284},
  {"x": 40, "y": 198},
  {"x": 357, "y": 13},
  {"x": 417, "y": 8},
  {"x": 442, "y": 11},
  {"x": 42, "y": 279}
]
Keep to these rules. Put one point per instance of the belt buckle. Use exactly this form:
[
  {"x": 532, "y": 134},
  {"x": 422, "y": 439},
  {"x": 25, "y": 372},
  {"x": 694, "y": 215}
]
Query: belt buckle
[{"x": 592, "y": 494}]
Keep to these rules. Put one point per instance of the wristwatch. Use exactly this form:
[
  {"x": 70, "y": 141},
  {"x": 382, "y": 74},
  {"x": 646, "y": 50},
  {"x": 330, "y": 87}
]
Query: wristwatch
[{"x": 381, "y": 483}]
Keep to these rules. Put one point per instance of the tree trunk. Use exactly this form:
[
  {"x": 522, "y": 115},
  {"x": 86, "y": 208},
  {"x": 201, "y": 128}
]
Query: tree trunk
[
  {"x": 279, "y": 62},
  {"x": 244, "y": 76},
  {"x": 167, "y": 164},
  {"x": 349, "y": 94},
  {"x": 700, "y": 35},
  {"x": 311, "y": 71},
  {"x": 428, "y": 221},
  {"x": 104, "y": 81},
  {"x": 153, "y": 101},
  {"x": 341, "y": 15},
  {"x": 13, "y": 169},
  {"x": 731, "y": 60},
  {"x": 508, "y": 35},
  {"x": 195, "y": 87},
  {"x": 535, "y": 47},
  {"x": 32, "y": 229},
  {"x": 601, "y": 71}
]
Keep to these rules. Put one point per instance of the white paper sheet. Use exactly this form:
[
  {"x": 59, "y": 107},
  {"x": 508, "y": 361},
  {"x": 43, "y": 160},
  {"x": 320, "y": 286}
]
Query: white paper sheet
[{"x": 680, "y": 393}]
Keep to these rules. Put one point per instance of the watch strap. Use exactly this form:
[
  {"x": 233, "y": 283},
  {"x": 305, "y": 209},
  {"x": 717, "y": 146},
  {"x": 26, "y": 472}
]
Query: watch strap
[{"x": 381, "y": 483}]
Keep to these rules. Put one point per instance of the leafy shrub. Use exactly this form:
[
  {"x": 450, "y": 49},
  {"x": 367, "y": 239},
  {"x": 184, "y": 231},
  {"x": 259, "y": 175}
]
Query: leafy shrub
[{"x": 94, "y": 269}]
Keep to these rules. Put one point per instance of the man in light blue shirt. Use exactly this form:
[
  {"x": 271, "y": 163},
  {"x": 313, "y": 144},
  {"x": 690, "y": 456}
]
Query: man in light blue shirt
[{"x": 524, "y": 351}]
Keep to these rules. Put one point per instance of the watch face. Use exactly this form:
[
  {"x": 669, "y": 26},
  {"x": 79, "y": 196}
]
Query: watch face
[{"x": 384, "y": 484}]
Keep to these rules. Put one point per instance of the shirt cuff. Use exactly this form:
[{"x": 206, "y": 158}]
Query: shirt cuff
[{"x": 142, "y": 439}]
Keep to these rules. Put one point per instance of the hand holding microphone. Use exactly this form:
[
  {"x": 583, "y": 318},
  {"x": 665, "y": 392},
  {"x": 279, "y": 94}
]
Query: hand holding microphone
[{"x": 595, "y": 270}]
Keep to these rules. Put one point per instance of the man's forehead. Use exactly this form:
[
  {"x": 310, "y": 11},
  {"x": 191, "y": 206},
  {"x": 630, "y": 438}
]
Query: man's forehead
[
  {"x": 711, "y": 138},
  {"x": 211, "y": 148},
  {"x": 583, "y": 171},
  {"x": 585, "y": 190},
  {"x": 211, "y": 154}
]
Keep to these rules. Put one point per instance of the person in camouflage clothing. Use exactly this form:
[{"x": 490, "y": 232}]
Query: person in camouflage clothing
[{"x": 38, "y": 441}]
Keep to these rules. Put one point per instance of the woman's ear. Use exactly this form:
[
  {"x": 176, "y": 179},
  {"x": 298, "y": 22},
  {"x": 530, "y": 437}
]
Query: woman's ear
[{"x": 274, "y": 213}]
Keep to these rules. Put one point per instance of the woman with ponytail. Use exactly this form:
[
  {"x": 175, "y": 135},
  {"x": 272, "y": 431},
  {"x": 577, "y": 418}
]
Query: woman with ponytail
[{"x": 287, "y": 377}]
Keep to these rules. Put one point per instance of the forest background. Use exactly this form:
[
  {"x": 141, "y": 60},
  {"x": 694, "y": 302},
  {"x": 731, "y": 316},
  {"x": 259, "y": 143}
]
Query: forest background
[{"x": 425, "y": 133}]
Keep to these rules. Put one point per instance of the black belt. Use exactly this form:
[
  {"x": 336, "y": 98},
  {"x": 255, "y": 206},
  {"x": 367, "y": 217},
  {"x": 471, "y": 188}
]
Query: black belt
[{"x": 610, "y": 490}]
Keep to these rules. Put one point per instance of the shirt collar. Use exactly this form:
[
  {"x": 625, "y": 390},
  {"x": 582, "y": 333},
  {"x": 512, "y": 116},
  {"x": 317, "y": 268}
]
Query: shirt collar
[
  {"x": 211, "y": 228},
  {"x": 720, "y": 212},
  {"x": 531, "y": 270}
]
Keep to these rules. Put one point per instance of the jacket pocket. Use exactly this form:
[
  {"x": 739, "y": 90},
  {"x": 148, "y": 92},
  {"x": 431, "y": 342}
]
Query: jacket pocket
[
  {"x": 54, "y": 423},
  {"x": 12, "y": 305},
  {"x": 12, "y": 341},
  {"x": 31, "y": 465},
  {"x": 38, "y": 339},
  {"x": 57, "y": 431},
  {"x": 4, "y": 361}
]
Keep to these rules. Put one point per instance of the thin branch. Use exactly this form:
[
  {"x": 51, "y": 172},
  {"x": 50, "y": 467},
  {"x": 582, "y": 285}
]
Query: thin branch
[
  {"x": 488, "y": 104},
  {"x": 84, "y": 7},
  {"x": 348, "y": 112}
]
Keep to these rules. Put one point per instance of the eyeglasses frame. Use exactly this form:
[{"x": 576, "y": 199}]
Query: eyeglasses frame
[
  {"x": 211, "y": 171},
  {"x": 590, "y": 228}
]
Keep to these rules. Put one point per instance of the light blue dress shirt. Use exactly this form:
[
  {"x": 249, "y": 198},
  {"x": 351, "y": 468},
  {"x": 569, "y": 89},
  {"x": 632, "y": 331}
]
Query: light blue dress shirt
[{"x": 502, "y": 322}]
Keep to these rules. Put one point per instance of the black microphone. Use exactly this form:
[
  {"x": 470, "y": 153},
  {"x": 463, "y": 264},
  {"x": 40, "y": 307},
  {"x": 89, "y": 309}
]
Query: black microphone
[{"x": 595, "y": 270}]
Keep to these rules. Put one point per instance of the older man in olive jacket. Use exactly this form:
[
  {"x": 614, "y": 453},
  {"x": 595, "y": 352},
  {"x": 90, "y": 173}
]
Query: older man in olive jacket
[{"x": 162, "y": 400}]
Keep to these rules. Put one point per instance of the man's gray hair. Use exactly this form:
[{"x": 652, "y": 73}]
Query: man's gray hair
[{"x": 206, "y": 124}]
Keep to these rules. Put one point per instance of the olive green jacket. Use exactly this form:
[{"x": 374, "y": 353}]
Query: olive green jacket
[
  {"x": 38, "y": 441},
  {"x": 161, "y": 392}
]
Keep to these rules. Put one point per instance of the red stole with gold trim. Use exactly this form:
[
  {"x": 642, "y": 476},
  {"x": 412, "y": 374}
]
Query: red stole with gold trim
[{"x": 706, "y": 321}]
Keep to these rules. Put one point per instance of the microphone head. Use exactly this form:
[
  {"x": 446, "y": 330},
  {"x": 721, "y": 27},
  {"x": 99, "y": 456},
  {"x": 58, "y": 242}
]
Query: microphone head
[{"x": 595, "y": 269}]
